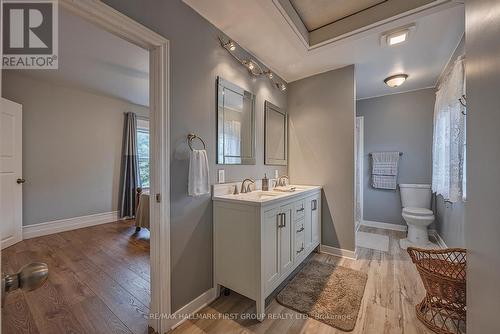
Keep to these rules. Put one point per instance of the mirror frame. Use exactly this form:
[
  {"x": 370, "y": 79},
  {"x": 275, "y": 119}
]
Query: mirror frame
[
  {"x": 269, "y": 107},
  {"x": 248, "y": 160}
]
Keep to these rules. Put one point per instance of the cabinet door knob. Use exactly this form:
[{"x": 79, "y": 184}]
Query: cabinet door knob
[{"x": 20, "y": 181}]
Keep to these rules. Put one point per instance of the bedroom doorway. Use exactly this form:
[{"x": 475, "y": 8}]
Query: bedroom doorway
[{"x": 155, "y": 156}]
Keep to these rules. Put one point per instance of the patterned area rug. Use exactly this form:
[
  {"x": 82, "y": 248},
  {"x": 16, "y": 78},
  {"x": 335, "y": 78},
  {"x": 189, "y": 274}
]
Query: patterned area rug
[{"x": 327, "y": 293}]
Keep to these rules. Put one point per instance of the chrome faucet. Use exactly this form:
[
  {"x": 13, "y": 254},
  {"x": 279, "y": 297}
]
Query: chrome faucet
[
  {"x": 282, "y": 180},
  {"x": 246, "y": 189}
]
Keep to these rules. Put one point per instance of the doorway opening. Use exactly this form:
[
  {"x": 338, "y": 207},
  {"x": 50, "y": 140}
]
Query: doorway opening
[{"x": 153, "y": 173}]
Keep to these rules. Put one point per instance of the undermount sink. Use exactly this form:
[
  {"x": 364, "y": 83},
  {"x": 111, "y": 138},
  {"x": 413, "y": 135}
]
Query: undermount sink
[{"x": 260, "y": 194}]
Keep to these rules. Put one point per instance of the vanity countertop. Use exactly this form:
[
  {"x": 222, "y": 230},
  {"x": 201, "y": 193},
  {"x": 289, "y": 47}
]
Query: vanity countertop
[{"x": 260, "y": 198}]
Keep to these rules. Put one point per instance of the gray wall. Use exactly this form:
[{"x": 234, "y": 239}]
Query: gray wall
[
  {"x": 450, "y": 218},
  {"x": 322, "y": 111},
  {"x": 196, "y": 59},
  {"x": 450, "y": 222},
  {"x": 72, "y": 144},
  {"x": 399, "y": 122},
  {"x": 482, "y": 209}
]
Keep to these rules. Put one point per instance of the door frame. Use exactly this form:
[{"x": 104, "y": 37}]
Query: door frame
[
  {"x": 361, "y": 154},
  {"x": 126, "y": 28}
]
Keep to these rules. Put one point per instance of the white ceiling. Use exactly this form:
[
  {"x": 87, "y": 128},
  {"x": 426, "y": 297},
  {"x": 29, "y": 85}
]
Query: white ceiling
[
  {"x": 317, "y": 13},
  {"x": 95, "y": 60},
  {"x": 276, "y": 44}
]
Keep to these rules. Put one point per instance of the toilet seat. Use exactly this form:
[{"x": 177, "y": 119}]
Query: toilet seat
[{"x": 418, "y": 212}]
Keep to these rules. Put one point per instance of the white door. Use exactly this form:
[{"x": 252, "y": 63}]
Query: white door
[{"x": 10, "y": 173}]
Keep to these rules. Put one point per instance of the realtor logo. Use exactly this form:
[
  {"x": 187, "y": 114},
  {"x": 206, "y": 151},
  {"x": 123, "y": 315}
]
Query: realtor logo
[{"x": 30, "y": 34}]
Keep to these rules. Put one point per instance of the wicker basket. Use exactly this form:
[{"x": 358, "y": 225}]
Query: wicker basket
[{"x": 443, "y": 309}]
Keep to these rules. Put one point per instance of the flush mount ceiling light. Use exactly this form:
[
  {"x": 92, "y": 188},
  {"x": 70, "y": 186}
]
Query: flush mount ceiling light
[
  {"x": 397, "y": 36},
  {"x": 253, "y": 67},
  {"x": 395, "y": 80}
]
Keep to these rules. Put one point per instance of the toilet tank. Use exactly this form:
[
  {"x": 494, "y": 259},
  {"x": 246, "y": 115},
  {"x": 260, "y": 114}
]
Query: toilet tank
[{"x": 416, "y": 195}]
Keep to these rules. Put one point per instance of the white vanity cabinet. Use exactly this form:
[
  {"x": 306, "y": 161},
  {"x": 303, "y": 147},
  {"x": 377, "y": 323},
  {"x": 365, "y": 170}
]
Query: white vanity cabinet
[{"x": 259, "y": 240}]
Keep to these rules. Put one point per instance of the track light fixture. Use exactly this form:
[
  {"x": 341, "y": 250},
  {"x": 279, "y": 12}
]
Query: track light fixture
[{"x": 252, "y": 66}]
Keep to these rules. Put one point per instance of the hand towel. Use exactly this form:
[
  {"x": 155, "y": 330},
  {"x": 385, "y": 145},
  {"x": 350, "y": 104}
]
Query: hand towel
[
  {"x": 385, "y": 169},
  {"x": 198, "y": 173}
]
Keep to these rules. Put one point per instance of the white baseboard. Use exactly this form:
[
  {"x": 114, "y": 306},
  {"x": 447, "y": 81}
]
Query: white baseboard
[
  {"x": 338, "y": 252},
  {"x": 62, "y": 225},
  {"x": 438, "y": 238},
  {"x": 194, "y": 306},
  {"x": 385, "y": 226}
]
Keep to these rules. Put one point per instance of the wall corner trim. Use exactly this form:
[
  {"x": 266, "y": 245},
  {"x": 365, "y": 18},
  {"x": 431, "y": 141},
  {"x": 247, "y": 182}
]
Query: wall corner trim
[
  {"x": 183, "y": 314},
  {"x": 385, "y": 226},
  {"x": 63, "y": 225},
  {"x": 345, "y": 253}
]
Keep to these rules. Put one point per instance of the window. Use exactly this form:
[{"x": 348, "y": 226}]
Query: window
[
  {"x": 448, "y": 151},
  {"x": 143, "y": 152}
]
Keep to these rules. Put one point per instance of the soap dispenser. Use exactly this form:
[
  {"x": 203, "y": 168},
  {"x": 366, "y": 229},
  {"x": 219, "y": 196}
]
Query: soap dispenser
[{"x": 265, "y": 183}]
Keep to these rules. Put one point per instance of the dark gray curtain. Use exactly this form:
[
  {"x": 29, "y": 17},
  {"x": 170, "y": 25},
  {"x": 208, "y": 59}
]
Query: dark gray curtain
[{"x": 130, "y": 167}]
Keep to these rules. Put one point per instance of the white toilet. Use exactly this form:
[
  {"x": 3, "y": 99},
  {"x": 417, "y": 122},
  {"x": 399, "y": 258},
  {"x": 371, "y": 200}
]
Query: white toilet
[{"x": 416, "y": 200}]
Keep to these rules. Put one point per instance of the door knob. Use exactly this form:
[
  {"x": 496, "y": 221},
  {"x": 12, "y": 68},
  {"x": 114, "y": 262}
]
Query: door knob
[
  {"x": 20, "y": 181},
  {"x": 29, "y": 277}
]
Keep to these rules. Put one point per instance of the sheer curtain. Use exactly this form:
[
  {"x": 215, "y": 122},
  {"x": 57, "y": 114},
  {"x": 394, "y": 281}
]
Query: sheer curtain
[{"x": 449, "y": 136}]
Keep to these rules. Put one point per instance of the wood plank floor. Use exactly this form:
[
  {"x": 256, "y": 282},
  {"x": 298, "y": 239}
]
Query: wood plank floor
[
  {"x": 99, "y": 282},
  {"x": 392, "y": 290}
]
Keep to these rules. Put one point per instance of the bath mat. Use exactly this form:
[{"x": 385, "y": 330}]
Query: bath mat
[
  {"x": 327, "y": 293},
  {"x": 372, "y": 241}
]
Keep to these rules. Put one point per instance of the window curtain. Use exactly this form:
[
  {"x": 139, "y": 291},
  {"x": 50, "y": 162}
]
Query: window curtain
[
  {"x": 130, "y": 167},
  {"x": 449, "y": 135}
]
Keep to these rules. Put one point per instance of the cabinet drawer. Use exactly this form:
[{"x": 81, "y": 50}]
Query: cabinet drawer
[
  {"x": 299, "y": 209},
  {"x": 300, "y": 246},
  {"x": 300, "y": 226}
]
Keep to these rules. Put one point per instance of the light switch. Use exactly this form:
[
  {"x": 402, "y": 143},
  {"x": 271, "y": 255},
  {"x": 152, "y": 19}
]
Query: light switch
[{"x": 221, "y": 178}]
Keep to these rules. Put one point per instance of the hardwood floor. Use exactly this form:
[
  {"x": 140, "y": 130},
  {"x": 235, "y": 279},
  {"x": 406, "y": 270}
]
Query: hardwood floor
[
  {"x": 392, "y": 290},
  {"x": 99, "y": 282}
]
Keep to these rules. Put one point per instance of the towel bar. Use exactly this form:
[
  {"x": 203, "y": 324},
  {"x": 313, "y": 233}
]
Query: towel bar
[{"x": 400, "y": 154}]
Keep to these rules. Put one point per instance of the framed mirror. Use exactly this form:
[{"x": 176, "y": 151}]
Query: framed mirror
[
  {"x": 235, "y": 124},
  {"x": 275, "y": 135}
]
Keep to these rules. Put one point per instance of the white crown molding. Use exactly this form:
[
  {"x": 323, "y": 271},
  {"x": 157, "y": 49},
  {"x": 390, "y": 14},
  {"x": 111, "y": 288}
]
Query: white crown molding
[{"x": 294, "y": 21}]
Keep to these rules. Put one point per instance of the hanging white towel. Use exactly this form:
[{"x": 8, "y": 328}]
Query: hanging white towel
[
  {"x": 198, "y": 173},
  {"x": 385, "y": 170}
]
